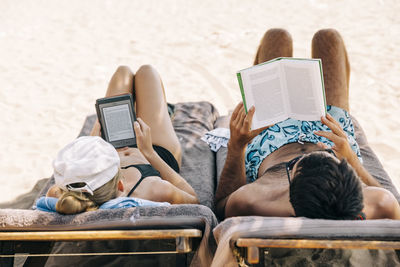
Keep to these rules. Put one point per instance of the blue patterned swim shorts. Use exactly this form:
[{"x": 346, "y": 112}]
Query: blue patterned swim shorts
[{"x": 293, "y": 131}]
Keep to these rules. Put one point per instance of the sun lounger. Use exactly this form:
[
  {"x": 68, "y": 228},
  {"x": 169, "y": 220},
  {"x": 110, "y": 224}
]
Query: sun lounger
[
  {"x": 180, "y": 233},
  {"x": 265, "y": 240},
  {"x": 181, "y": 228}
]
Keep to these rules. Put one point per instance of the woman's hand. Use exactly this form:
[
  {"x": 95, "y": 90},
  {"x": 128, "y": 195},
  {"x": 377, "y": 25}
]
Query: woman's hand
[
  {"x": 342, "y": 147},
  {"x": 143, "y": 137},
  {"x": 240, "y": 125}
]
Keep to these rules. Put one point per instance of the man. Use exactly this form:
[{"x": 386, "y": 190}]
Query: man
[{"x": 318, "y": 172}]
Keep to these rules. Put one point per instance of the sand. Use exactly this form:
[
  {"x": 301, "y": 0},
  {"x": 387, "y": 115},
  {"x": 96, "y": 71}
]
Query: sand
[{"x": 56, "y": 58}]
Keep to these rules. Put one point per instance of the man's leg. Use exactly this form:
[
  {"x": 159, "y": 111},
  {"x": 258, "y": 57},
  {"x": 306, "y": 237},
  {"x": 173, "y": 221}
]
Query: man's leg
[
  {"x": 275, "y": 43},
  {"x": 328, "y": 45}
]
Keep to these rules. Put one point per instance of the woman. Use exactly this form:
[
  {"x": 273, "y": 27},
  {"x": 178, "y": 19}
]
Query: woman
[{"x": 150, "y": 170}]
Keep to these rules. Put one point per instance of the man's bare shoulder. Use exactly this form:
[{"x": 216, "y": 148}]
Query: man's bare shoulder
[
  {"x": 380, "y": 203},
  {"x": 273, "y": 185},
  {"x": 264, "y": 197},
  {"x": 274, "y": 175}
]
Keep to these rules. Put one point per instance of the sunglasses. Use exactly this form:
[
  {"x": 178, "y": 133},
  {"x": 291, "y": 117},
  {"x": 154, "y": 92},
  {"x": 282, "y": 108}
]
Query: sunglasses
[{"x": 290, "y": 164}]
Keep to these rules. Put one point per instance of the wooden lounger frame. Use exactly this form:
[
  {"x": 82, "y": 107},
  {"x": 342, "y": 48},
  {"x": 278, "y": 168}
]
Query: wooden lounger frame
[
  {"x": 249, "y": 248},
  {"x": 183, "y": 240}
]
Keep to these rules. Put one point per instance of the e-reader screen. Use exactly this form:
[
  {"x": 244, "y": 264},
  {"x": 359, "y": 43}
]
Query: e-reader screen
[
  {"x": 119, "y": 122},
  {"x": 116, "y": 116}
]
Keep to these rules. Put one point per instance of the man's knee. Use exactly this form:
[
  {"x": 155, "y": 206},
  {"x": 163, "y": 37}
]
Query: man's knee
[
  {"x": 277, "y": 34},
  {"x": 327, "y": 36},
  {"x": 275, "y": 43}
]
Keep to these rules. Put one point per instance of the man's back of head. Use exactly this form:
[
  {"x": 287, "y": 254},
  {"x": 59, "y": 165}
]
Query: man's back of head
[{"x": 326, "y": 188}]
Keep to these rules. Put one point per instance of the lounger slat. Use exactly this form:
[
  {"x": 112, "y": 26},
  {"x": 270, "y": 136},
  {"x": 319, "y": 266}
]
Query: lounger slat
[
  {"x": 311, "y": 243},
  {"x": 24, "y": 255},
  {"x": 100, "y": 235},
  {"x": 253, "y": 245}
]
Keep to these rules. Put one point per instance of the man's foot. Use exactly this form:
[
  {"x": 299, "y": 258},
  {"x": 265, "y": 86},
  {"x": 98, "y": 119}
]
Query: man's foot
[
  {"x": 328, "y": 45},
  {"x": 275, "y": 43}
]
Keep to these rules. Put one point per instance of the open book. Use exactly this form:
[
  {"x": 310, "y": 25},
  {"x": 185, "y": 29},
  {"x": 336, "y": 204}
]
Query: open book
[{"x": 283, "y": 88}]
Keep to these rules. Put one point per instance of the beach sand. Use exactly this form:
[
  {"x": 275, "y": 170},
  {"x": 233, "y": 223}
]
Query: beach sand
[{"x": 56, "y": 58}]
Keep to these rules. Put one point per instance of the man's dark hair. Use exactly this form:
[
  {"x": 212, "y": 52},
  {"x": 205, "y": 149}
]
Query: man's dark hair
[{"x": 326, "y": 189}]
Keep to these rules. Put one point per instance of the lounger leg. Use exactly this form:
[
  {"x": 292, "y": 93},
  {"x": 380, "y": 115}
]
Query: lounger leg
[
  {"x": 253, "y": 255},
  {"x": 7, "y": 248},
  {"x": 36, "y": 248},
  {"x": 181, "y": 259},
  {"x": 183, "y": 245}
]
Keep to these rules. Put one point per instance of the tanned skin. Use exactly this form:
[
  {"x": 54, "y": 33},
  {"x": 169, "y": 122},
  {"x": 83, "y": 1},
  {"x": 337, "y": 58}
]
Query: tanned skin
[
  {"x": 153, "y": 127},
  {"x": 269, "y": 194}
]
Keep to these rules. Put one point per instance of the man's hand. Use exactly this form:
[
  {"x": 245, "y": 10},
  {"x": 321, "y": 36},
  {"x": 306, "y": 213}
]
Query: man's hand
[
  {"x": 233, "y": 175},
  {"x": 240, "y": 125},
  {"x": 143, "y": 137},
  {"x": 342, "y": 147},
  {"x": 343, "y": 150}
]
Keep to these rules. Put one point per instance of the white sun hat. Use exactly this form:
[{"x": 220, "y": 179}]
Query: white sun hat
[{"x": 89, "y": 160}]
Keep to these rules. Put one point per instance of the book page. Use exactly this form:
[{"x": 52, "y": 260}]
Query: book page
[
  {"x": 304, "y": 91},
  {"x": 264, "y": 92}
]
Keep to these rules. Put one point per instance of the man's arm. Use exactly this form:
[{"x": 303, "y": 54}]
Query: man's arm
[
  {"x": 233, "y": 175},
  {"x": 379, "y": 203},
  {"x": 342, "y": 149}
]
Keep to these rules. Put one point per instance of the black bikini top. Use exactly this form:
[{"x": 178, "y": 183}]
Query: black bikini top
[{"x": 146, "y": 170}]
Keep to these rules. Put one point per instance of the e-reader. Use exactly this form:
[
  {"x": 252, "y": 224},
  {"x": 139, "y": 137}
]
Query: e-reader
[{"x": 116, "y": 116}]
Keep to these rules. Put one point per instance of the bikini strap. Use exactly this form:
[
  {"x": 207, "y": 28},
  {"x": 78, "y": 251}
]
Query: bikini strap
[
  {"x": 136, "y": 185},
  {"x": 142, "y": 169},
  {"x": 129, "y": 166}
]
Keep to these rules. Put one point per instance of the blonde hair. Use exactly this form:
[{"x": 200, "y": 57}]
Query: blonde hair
[{"x": 72, "y": 202}]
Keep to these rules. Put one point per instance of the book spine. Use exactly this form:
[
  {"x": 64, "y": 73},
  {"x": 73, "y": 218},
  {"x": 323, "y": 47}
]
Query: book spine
[{"x": 239, "y": 77}]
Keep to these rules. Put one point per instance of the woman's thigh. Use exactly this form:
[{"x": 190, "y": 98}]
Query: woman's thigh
[
  {"x": 121, "y": 82},
  {"x": 152, "y": 109}
]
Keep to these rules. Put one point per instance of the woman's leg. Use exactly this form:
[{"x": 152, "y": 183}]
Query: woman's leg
[
  {"x": 121, "y": 82},
  {"x": 328, "y": 45},
  {"x": 151, "y": 107},
  {"x": 275, "y": 43}
]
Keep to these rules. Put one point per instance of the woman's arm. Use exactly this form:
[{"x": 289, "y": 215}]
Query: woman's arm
[
  {"x": 96, "y": 130},
  {"x": 342, "y": 149},
  {"x": 187, "y": 194},
  {"x": 144, "y": 142}
]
